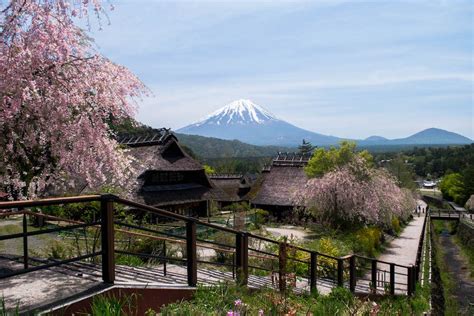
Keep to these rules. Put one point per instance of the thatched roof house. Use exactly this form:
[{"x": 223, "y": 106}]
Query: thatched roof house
[
  {"x": 280, "y": 182},
  {"x": 236, "y": 186},
  {"x": 167, "y": 176}
]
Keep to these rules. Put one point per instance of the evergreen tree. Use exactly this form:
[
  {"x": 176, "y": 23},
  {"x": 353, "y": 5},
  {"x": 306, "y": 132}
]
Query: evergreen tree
[{"x": 306, "y": 148}]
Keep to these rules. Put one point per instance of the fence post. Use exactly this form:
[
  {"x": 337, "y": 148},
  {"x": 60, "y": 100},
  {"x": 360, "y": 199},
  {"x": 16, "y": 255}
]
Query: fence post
[
  {"x": 392, "y": 279},
  {"x": 164, "y": 255},
  {"x": 314, "y": 270},
  {"x": 233, "y": 265},
  {"x": 352, "y": 273},
  {"x": 374, "y": 276},
  {"x": 242, "y": 258},
  {"x": 107, "y": 237},
  {"x": 191, "y": 256},
  {"x": 410, "y": 281},
  {"x": 340, "y": 272},
  {"x": 25, "y": 242},
  {"x": 282, "y": 266}
]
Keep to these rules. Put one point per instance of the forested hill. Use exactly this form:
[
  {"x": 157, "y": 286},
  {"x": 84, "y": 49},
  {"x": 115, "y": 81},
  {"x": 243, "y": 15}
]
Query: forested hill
[{"x": 209, "y": 147}]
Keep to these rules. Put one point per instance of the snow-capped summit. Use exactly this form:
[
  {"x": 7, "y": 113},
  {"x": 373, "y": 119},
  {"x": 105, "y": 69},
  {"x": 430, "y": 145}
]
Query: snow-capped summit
[
  {"x": 251, "y": 123},
  {"x": 238, "y": 112}
]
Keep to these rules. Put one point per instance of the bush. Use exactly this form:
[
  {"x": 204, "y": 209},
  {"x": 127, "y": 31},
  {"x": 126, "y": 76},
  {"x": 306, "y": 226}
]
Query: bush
[
  {"x": 128, "y": 260},
  {"x": 228, "y": 299},
  {"x": 60, "y": 250},
  {"x": 261, "y": 217},
  {"x": 225, "y": 239},
  {"x": 113, "y": 306},
  {"x": 368, "y": 241},
  {"x": 396, "y": 227}
]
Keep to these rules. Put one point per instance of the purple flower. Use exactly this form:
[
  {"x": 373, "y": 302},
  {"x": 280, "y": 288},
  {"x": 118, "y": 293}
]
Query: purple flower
[
  {"x": 238, "y": 302},
  {"x": 230, "y": 313}
]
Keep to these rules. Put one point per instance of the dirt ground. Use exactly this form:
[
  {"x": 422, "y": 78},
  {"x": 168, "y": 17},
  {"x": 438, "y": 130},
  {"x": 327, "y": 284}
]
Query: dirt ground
[{"x": 292, "y": 232}]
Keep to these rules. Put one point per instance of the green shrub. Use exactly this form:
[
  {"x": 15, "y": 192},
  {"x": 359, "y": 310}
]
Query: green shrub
[
  {"x": 60, "y": 250},
  {"x": 225, "y": 298},
  {"x": 261, "y": 217},
  {"x": 128, "y": 260},
  {"x": 224, "y": 238},
  {"x": 396, "y": 227},
  {"x": 368, "y": 241},
  {"x": 109, "y": 305}
]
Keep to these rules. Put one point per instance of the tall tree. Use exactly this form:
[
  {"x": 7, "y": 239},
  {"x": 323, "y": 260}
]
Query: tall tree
[
  {"x": 345, "y": 189},
  {"x": 403, "y": 171},
  {"x": 57, "y": 96},
  {"x": 306, "y": 148}
]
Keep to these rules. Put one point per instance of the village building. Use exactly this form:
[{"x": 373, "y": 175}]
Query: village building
[
  {"x": 167, "y": 177},
  {"x": 280, "y": 183},
  {"x": 235, "y": 186}
]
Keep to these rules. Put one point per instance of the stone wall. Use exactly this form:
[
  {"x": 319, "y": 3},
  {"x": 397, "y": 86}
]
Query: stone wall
[{"x": 466, "y": 233}]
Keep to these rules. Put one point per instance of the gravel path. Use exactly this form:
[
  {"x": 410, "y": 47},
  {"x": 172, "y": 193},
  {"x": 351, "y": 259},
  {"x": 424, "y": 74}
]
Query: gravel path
[{"x": 292, "y": 232}]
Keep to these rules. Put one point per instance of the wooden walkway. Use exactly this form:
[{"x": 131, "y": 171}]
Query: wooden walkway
[
  {"x": 402, "y": 250},
  {"x": 41, "y": 288}
]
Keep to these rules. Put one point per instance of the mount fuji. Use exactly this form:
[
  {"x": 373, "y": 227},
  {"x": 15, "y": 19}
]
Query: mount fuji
[{"x": 251, "y": 123}]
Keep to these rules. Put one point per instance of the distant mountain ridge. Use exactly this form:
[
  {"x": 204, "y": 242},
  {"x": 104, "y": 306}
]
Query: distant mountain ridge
[
  {"x": 250, "y": 123},
  {"x": 209, "y": 147}
]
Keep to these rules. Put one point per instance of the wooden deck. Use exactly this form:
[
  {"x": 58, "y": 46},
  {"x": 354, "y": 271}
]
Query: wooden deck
[{"x": 43, "y": 289}]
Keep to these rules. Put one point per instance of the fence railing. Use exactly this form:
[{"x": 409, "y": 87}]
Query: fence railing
[
  {"x": 450, "y": 214},
  {"x": 286, "y": 264}
]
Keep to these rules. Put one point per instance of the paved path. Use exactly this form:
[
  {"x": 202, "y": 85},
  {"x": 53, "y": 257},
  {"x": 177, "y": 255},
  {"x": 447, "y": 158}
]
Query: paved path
[{"x": 401, "y": 251}]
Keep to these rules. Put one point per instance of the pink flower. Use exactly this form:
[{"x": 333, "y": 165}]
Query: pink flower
[
  {"x": 230, "y": 313},
  {"x": 260, "y": 312},
  {"x": 238, "y": 302}
]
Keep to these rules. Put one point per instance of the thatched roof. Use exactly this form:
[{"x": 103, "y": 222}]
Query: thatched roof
[
  {"x": 158, "y": 152},
  {"x": 234, "y": 185},
  {"x": 282, "y": 180},
  {"x": 162, "y": 153}
]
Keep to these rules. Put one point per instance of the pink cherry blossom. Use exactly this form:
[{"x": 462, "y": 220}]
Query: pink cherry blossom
[
  {"x": 356, "y": 193},
  {"x": 57, "y": 95}
]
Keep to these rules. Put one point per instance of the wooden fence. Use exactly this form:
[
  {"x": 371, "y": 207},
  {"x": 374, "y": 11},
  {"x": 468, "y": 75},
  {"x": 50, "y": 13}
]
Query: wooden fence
[{"x": 358, "y": 273}]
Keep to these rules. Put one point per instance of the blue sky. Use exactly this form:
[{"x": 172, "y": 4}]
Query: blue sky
[{"x": 344, "y": 68}]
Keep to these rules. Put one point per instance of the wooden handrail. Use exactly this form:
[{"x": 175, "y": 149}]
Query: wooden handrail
[
  {"x": 241, "y": 249},
  {"x": 50, "y": 201}
]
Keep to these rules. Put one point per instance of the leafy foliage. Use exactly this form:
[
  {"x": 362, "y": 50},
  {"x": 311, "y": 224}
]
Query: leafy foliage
[
  {"x": 209, "y": 170},
  {"x": 452, "y": 187},
  {"x": 435, "y": 162},
  {"x": 402, "y": 171},
  {"x": 347, "y": 190},
  {"x": 230, "y": 300},
  {"x": 325, "y": 160},
  {"x": 110, "y": 305}
]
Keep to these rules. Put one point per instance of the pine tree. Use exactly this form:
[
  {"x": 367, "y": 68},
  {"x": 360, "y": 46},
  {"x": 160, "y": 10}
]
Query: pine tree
[{"x": 306, "y": 148}]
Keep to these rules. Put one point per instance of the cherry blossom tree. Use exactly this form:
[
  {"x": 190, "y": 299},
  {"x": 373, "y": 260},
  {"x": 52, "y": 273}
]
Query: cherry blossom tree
[
  {"x": 58, "y": 96},
  {"x": 356, "y": 193}
]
